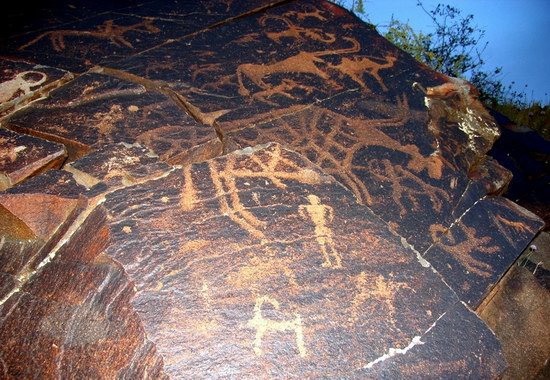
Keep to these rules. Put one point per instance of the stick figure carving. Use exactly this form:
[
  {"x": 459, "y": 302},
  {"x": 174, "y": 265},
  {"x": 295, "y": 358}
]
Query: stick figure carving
[{"x": 321, "y": 215}]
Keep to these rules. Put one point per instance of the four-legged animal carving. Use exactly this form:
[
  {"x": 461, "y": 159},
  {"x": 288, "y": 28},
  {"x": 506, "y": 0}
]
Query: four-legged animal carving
[
  {"x": 296, "y": 32},
  {"x": 356, "y": 66},
  {"x": 304, "y": 63},
  {"x": 107, "y": 31}
]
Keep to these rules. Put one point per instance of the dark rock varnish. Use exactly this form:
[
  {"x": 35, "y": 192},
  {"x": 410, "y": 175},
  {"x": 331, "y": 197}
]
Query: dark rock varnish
[{"x": 261, "y": 189}]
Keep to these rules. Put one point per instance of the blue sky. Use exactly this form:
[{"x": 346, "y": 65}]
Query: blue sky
[{"x": 518, "y": 32}]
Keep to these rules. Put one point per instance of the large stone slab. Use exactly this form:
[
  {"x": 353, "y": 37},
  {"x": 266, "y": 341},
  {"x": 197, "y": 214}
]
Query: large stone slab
[
  {"x": 22, "y": 82},
  {"x": 474, "y": 253},
  {"x": 42, "y": 214},
  {"x": 518, "y": 312},
  {"x": 64, "y": 304},
  {"x": 259, "y": 258},
  {"x": 89, "y": 34},
  {"x": 408, "y": 166},
  {"x": 277, "y": 62},
  {"x": 418, "y": 168},
  {"x": 35, "y": 216},
  {"x": 22, "y": 156},
  {"x": 72, "y": 318},
  {"x": 96, "y": 109}
]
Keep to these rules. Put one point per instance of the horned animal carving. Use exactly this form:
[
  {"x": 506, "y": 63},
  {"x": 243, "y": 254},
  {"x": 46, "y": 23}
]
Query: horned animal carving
[
  {"x": 106, "y": 31},
  {"x": 304, "y": 63},
  {"x": 356, "y": 66},
  {"x": 296, "y": 32}
]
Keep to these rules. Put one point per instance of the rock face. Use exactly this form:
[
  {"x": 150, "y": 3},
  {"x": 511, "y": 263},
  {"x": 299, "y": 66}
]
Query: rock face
[
  {"x": 252, "y": 190},
  {"x": 22, "y": 156}
]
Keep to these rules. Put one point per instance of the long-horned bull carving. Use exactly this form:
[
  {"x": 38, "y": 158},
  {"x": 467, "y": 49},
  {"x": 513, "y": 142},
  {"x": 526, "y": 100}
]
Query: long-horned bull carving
[{"x": 303, "y": 63}]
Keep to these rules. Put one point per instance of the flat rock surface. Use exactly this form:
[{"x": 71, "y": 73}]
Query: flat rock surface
[
  {"x": 478, "y": 248},
  {"x": 277, "y": 62},
  {"x": 79, "y": 36},
  {"x": 259, "y": 258},
  {"x": 22, "y": 156},
  {"x": 95, "y": 110},
  {"x": 518, "y": 314},
  {"x": 22, "y": 82},
  {"x": 262, "y": 189}
]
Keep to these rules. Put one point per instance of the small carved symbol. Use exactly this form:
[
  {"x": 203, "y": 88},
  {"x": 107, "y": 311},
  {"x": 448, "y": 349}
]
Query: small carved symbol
[
  {"x": 21, "y": 84},
  {"x": 105, "y": 121},
  {"x": 264, "y": 325},
  {"x": 380, "y": 290},
  {"x": 321, "y": 215},
  {"x": 188, "y": 196},
  {"x": 469, "y": 251},
  {"x": 315, "y": 13}
]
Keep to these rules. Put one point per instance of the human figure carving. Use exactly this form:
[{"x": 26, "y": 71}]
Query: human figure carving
[
  {"x": 265, "y": 325},
  {"x": 106, "y": 31},
  {"x": 321, "y": 215}
]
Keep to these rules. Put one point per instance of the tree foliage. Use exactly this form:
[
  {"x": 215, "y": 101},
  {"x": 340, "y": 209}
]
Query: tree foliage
[{"x": 455, "y": 46}]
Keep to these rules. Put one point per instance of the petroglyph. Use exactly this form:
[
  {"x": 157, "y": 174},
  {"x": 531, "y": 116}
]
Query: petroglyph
[
  {"x": 106, "y": 31},
  {"x": 261, "y": 269},
  {"x": 404, "y": 185},
  {"x": 264, "y": 325},
  {"x": 322, "y": 215},
  {"x": 315, "y": 13},
  {"x": 466, "y": 251},
  {"x": 302, "y": 63},
  {"x": 333, "y": 141},
  {"x": 274, "y": 167},
  {"x": 105, "y": 121},
  {"x": 8, "y": 151},
  {"x": 295, "y": 32},
  {"x": 204, "y": 70},
  {"x": 355, "y": 68},
  {"x": 282, "y": 89},
  {"x": 21, "y": 84},
  {"x": 378, "y": 289},
  {"x": 230, "y": 205},
  {"x": 188, "y": 196},
  {"x": 518, "y": 226}
]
